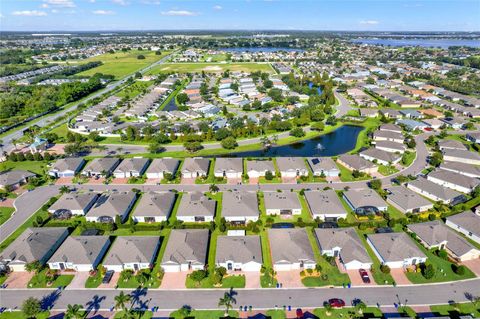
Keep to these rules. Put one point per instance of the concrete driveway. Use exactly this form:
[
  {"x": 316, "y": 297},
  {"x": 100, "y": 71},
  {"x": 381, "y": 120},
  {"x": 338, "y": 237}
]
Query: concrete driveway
[
  {"x": 289, "y": 180},
  {"x": 400, "y": 276},
  {"x": 174, "y": 280},
  {"x": 356, "y": 279},
  {"x": 473, "y": 265},
  {"x": 79, "y": 280},
  {"x": 290, "y": 279},
  {"x": 64, "y": 181},
  {"x": 18, "y": 279},
  {"x": 252, "y": 279}
]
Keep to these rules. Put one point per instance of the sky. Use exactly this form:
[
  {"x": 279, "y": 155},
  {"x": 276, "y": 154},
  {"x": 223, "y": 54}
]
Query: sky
[{"x": 351, "y": 15}]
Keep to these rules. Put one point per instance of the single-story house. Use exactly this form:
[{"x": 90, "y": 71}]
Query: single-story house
[
  {"x": 282, "y": 203},
  {"x": 473, "y": 137},
  {"x": 451, "y": 145},
  {"x": 461, "y": 168},
  {"x": 228, "y": 167},
  {"x": 434, "y": 191},
  {"x": 292, "y": 166},
  {"x": 462, "y": 156},
  {"x": 325, "y": 205},
  {"x": 258, "y": 168},
  {"x": 160, "y": 166},
  {"x": 131, "y": 167},
  {"x": 186, "y": 250},
  {"x": 80, "y": 253},
  {"x": 75, "y": 203},
  {"x": 290, "y": 249},
  {"x": 66, "y": 167},
  {"x": 323, "y": 166},
  {"x": 345, "y": 244},
  {"x": 364, "y": 201},
  {"x": 435, "y": 234},
  {"x": 132, "y": 252},
  {"x": 391, "y": 128},
  {"x": 453, "y": 180},
  {"x": 34, "y": 244},
  {"x": 239, "y": 253},
  {"x": 467, "y": 223},
  {"x": 195, "y": 167},
  {"x": 196, "y": 207},
  {"x": 108, "y": 206},
  {"x": 388, "y": 136},
  {"x": 14, "y": 178},
  {"x": 391, "y": 147},
  {"x": 239, "y": 207},
  {"x": 396, "y": 250},
  {"x": 380, "y": 157},
  {"x": 412, "y": 125},
  {"x": 154, "y": 207},
  {"x": 103, "y": 166},
  {"x": 406, "y": 200},
  {"x": 357, "y": 163}
]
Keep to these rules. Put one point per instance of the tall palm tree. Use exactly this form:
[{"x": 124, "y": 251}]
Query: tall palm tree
[
  {"x": 121, "y": 301},
  {"x": 227, "y": 300},
  {"x": 74, "y": 312}
]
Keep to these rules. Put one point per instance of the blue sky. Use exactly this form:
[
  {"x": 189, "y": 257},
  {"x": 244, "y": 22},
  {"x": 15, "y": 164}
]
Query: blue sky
[{"x": 375, "y": 15}]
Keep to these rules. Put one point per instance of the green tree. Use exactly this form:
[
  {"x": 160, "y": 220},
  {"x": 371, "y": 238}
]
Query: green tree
[
  {"x": 74, "y": 312},
  {"x": 229, "y": 143},
  {"x": 121, "y": 301},
  {"x": 34, "y": 266},
  {"x": 228, "y": 300},
  {"x": 31, "y": 307},
  {"x": 376, "y": 184},
  {"x": 297, "y": 132},
  {"x": 198, "y": 276}
]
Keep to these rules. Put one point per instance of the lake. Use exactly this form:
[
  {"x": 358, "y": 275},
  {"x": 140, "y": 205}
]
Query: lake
[
  {"x": 171, "y": 105},
  {"x": 260, "y": 49},
  {"x": 340, "y": 141},
  {"x": 426, "y": 43}
]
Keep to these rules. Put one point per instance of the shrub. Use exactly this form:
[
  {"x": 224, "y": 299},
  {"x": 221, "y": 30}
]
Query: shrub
[
  {"x": 459, "y": 270},
  {"x": 428, "y": 271},
  {"x": 385, "y": 269}
]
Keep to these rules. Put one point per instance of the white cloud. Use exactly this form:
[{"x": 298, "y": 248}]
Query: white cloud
[
  {"x": 120, "y": 2},
  {"x": 369, "y": 22},
  {"x": 152, "y": 2},
  {"x": 60, "y": 3},
  {"x": 44, "y": 5},
  {"x": 180, "y": 13},
  {"x": 29, "y": 13},
  {"x": 54, "y": 11},
  {"x": 217, "y": 7},
  {"x": 103, "y": 12}
]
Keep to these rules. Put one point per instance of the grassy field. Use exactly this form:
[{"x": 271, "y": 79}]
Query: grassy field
[
  {"x": 210, "y": 67},
  {"x": 456, "y": 310},
  {"x": 21, "y": 315},
  {"x": 32, "y": 166},
  {"x": 120, "y": 64},
  {"x": 204, "y": 314},
  {"x": 5, "y": 213}
]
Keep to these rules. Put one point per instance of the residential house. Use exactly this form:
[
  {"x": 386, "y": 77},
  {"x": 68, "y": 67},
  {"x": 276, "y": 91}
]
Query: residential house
[
  {"x": 103, "y": 166},
  {"x": 462, "y": 156},
  {"x": 461, "y": 168},
  {"x": 381, "y": 157},
  {"x": 282, "y": 203},
  {"x": 131, "y": 167},
  {"x": 80, "y": 253},
  {"x": 110, "y": 205},
  {"x": 132, "y": 252},
  {"x": 467, "y": 223},
  {"x": 473, "y": 137},
  {"x": 325, "y": 205},
  {"x": 388, "y": 136},
  {"x": 396, "y": 250},
  {"x": 451, "y": 145},
  {"x": 258, "y": 168},
  {"x": 345, "y": 244},
  {"x": 196, "y": 207},
  {"x": 435, "y": 191},
  {"x": 458, "y": 182},
  {"x": 406, "y": 200},
  {"x": 34, "y": 244},
  {"x": 323, "y": 166},
  {"x": 391, "y": 147},
  {"x": 66, "y": 167},
  {"x": 161, "y": 166},
  {"x": 357, "y": 163},
  {"x": 390, "y": 128},
  {"x": 436, "y": 235},
  {"x": 195, "y": 167},
  {"x": 154, "y": 207},
  {"x": 10, "y": 180},
  {"x": 365, "y": 201},
  {"x": 186, "y": 250},
  {"x": 290, "y": 249},
  {"x": 292, "y": 166},
  {"x": 74, "y": 203},
  {"x": 239, "y": 253},
  {"x": 230, "y": 168},
  {"x": 240, "y": 207}
]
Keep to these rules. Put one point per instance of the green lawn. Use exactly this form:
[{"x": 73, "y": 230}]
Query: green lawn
[
  {"x": 211, "y": 67},
  {"x": 276, "y": 314},
  {"x": 458, "y": 309},
  {"x": 347, "y": 313},
  {"x": 94, "y": 281},
  {"x": 387, "y": 170},
  {"x": 40, "y": 280},
  {"x": 132, "y": 283},
  {"x": 409, "y": 157},
  {"x": 5, "y": 213},
  {"x": 135, "y": 89},
  {"x": 346, "y": 175},
  {"x": 205, "y": 314},
  {"x": 121, "y": 64},
  {"x": 32, "y": 166},
  {"x": 21, "y": 315},
  {"x": 227, "y": 282}
]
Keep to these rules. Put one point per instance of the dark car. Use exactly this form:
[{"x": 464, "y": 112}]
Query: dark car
[
  {"x": 383, "y": 230},
  {"x": 283, "y": 225},
  {"x": 108, "y": 276},
  {"x": 328, "y": 225},
  {"x": 299, "y": 313},
  {"x": 336, "y": 303},
  {"x": 364, "y": 275}
]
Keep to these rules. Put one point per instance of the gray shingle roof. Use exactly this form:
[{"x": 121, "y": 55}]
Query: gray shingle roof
[
  {"x": 356, "y": 162},
  {"x": 233, "y": 165},
  {"x": 80, "y": 250},
  {"x": 454, "y": 178},
  {"x": 191, "y": 165},
  {"x": 364, "y": 197},
  {"x": 240, "y": 204},
  {"x": 196, "y": 204},
  {"x": 69, "y": 163},
  {"x": 406, "y": 198},
  {"x": 281, "y": 200},
  {"x": 324, "y": 202},
  {"x": 98, "y": 165},
  {"x": 13, "y": 177},
  {"x": 155, "y": 204},
  {"x": 467, "y": 220},
  {"x": 242, "y": 249},
  {"x": 395, "y": 246},
  {"x": 129, "y": 249},
  {"x": 112, "y": 204},
  {"x": 73, "y": 201},
  {"x": 438, "y": 191},
  {"x": 322, "y": 164},
  {"x": 347, "y": 239},
  {"x": 260, "y": 166},
  {"x": 158, "y": 165},
  {"x": 290, "y": 245},
  {"x": 381, "y": 155},
  {"x": 286, "y": 164},
  {"x": 461, "y": 168},
  {"x": 132, "y": 165},
  {"x": 187, "y": 245}
]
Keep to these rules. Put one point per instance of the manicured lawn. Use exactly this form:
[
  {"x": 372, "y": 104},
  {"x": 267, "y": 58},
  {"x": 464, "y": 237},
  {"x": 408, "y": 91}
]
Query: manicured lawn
[
  {"x": 211, "y": 67},
  {"x": 227, "y": 282},
  {"x": 94, "y": 281},
  {"x": 347, "y": 313},
  {"x": 32, "y": 166},
  {"x": 409, "y": 157},
  {"x": 266, "y": 281},
  {"x": 460, "y": 309},
  {"x": 121, "y": 64},
  {"x": 40, "y": 280},
  {"x": 276, "y": 314},
  {"x": 394, "y": 213},
  {"x": 21, "y": 315},
  {"x": 144, "y": 315},
  {"x": 387, "y": 170},
  {"x": 205, "y": 314},
  {"x": 5, "y": 213},
  {"x": 346, "y": 175},
  {"x": 153, "y": 282}
]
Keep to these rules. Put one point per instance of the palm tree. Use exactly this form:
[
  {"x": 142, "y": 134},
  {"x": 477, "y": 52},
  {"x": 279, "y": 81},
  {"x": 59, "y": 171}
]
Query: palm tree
[
  {"x": 14, "y": 142},
  {"x": 213, "y": 188},
  {"x": 64, "y": 189},
  {"x": 121, "y": 301},
  {"x": 74, "y": 312},
  {"x": 227, "y": 300}
]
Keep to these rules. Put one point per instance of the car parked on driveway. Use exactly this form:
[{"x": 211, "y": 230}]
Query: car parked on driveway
[
  {"x": 108, "y": 276},
  {"x": 364, "y": 275}
]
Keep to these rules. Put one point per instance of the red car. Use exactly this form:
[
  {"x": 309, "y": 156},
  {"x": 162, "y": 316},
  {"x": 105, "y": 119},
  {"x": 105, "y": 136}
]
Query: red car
[
  {"x": 299, "y": 313},
  {"x": 336, "y": 303},
  {"x": 364, "y": 275}
]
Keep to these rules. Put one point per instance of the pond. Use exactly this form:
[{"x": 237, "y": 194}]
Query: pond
[
  {"x": 427, "y": 43},
  {"x": 260, "y": 49},
  {"x": 340, "y": 141},
  {"x": 171, "y": 105}
]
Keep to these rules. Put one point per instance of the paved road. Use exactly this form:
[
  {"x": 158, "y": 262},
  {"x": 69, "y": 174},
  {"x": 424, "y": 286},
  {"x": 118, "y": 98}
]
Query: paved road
[
  {"x": 26, "y": 205},
  {"x": 48, "y": 119},
  {"x": 344, "y": 105},
  {"x": 103, "y": 299}
]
